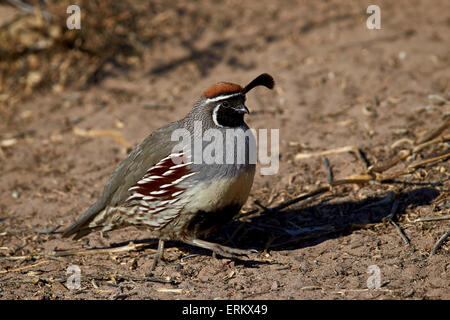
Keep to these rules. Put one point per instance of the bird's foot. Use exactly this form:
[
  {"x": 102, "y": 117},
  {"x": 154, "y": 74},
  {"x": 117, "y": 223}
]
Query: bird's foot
[{"x": 158, "y": 255}]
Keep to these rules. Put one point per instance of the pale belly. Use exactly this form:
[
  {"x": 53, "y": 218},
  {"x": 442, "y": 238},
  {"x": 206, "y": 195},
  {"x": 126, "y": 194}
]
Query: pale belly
[
  {"x": 211, "y": 205},
  {"x": 211, "y": 196}
]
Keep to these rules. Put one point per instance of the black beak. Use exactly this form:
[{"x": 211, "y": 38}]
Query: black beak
[{"x": 242, "y": 109}]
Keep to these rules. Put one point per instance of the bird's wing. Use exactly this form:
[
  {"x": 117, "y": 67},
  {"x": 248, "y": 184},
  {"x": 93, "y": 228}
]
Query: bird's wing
[{"x": 150, "y": 151}]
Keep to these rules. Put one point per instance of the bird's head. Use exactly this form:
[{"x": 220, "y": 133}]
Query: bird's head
[{"x": 225, "y": 101}]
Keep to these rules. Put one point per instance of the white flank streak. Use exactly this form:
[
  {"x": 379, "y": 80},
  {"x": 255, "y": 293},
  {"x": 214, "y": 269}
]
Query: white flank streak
[
  {"x": 177, "y": 193},
  {"x": 135, "y": 195},
  {"x": 183, "y": 177},
  {"x": 158, "y": 165},
  {"x": 148, "y": 198},
  {"x": 158, "y": 210},
  {"x": 179, "y": 154},
  {"x": 168, "y": 172},
  {"x": 166, "y": 186},
  {"x": 142, "y": 181},
  {"x": 181, "y": 165},
  {"x": 155, "y": 193},
  {"x": 154, "y": 177},
  {"x": 143, "y": 203}
]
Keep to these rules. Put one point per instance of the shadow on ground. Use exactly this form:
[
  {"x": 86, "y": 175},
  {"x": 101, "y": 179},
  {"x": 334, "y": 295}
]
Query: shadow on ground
[{"x": 308, "y": 226}]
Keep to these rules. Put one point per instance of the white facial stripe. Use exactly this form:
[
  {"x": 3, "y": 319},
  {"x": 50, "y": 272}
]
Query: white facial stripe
[
  {"x": 214, "y": 116},
  {"x": 220, "y": 98}
]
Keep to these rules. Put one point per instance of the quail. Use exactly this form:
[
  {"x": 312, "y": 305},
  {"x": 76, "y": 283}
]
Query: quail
[{"x": 169, "y": 194}]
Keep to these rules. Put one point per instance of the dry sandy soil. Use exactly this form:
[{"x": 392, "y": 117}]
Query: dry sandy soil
[{"x": 337, "y": 84}]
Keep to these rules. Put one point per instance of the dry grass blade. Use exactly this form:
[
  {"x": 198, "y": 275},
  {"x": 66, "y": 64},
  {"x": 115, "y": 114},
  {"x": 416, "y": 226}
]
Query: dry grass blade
[
  {"x": 102, "y": 133},
  {"x": 425, "y": 219},
  {"x": 300, "y": 156},
  {"x": 430, "y": 160},
  {"x": 129, "y": 247},
  {"x": 172, "y": 290},
  {"x": 25, "y": 267},
  {"x": 401, "y": 141}
]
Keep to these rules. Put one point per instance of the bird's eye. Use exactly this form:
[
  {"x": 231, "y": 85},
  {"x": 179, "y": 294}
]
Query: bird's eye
[{"x": 225, "y": 104}]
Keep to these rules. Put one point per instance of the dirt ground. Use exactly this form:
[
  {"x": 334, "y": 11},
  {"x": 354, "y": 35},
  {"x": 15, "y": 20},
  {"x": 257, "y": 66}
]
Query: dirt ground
[{"x": 337, "y": 84}]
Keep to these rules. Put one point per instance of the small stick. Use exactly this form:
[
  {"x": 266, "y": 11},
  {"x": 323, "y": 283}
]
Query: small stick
[
  {"x": 362, "y": 157},
  {"x": 385, "y": 166},
  {"x": 400, "y": 141},
  {"x": 400, "y": 232},
  {"x": 412, "y": 167},
  {"x": 435, "y": 133},
  {"x": 395, "y": 174},
  {"x": 172, "y": 290},
  {"x": 358, "y": 179},
  {"x": 429, "y": 160},
  {"x": 429, "y": 143},
  {"x": 440, "y": 242}
]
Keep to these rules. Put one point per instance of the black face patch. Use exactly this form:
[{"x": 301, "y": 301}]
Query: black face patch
[{"x": 226, "y": 113}]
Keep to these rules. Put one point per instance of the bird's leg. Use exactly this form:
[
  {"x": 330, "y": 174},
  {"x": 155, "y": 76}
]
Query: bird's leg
[
  {"x": 218, "y": 248},
  {"x": 158, "y": 255}
]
